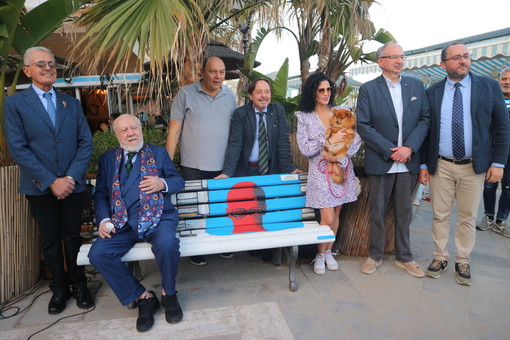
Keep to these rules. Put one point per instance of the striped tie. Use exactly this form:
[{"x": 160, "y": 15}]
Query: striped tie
[
  {"x": 263, "y": 149},
  {"x": 50, "y": 107},
  {"x": 458, "y": 124},
  {"x": 129, "y": 163}
]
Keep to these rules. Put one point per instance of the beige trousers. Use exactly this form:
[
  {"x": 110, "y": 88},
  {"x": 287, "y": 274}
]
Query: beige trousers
[{"x": 460, "y": 183}]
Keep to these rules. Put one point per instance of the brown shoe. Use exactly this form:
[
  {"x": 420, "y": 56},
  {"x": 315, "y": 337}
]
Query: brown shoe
[
  {"x": 411, "y": 268},
  {"x": 370, "y": 265}
]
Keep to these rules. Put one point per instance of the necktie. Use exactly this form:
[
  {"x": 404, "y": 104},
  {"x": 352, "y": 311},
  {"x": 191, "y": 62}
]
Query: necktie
[
  {"x": 263, "y": 148},
  {"x": 50, "y": 107},
  {"x": 458, "y": 124},
  {"x": 129, "y": 163}
]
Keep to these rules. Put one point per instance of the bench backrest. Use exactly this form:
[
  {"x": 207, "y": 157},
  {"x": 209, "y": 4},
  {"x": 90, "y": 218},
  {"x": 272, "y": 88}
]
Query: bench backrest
[{"x": 242, "y": 204}]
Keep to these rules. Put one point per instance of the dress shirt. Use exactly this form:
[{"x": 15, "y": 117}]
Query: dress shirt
[
  {"x": 445, "y": 130},
  {"x": 44, "y": 101},
  {"x": 396, "y": 97},
  {"x": 254, "y": 156}
]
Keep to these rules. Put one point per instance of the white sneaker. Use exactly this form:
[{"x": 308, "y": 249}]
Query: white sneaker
[
  {"x": 319, "y": 265},
  {"x": 331, "y": 263}
]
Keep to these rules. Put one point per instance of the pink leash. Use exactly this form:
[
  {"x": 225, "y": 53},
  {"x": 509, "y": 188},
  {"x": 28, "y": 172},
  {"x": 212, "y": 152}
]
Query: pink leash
[{"x": 328, "y": 179}]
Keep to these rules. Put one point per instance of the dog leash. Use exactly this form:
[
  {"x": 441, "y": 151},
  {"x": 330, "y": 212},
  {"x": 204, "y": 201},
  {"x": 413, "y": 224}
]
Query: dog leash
[{"x": 328, "y": 179}]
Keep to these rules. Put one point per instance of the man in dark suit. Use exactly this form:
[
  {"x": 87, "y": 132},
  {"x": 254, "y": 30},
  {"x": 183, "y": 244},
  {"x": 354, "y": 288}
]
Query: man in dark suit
[
  {"x": 258, "y": 147},
  {"x": 467, "y": 143},
  {"x": 393, "y": 119},
  {"x": 48, "y": 137},
  {"x": 132, "y": 204}
]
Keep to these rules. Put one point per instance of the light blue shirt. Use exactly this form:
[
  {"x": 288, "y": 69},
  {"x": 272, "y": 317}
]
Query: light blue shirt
[
  {"x": 445, "y": 130},
  {"x": 44, "y": 101},
  {"x": 254, "y": 156}
]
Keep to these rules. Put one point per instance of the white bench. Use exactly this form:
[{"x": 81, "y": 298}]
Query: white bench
[{"x": 198, "y": 237}]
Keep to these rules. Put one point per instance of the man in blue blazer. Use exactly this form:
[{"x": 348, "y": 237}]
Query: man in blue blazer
[
  {"x": 468, "y": 143},
  {"x": 48, "y": 137},
  {"x": 393, "y": 120},
  {"x": 132, "y": 204},
  {"x": 242, "y": 157}
]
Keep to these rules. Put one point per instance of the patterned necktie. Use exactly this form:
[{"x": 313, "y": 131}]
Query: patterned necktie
[
  {"x": 50, "y": 107},
  {"x": 263, "y": 148},
  {"x": 129, "y": 163},
  {"x": 458, "y": 124}
]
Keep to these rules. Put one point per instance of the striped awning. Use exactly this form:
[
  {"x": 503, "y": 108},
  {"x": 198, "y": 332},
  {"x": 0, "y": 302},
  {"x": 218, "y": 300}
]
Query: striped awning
[{"x": 489, "y": 56}]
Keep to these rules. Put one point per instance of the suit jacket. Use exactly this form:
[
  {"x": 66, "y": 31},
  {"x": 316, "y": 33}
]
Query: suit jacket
[
  {"x": 490, "y": 124},
  {"x": 242, "y": 136},
  {"x": 44, "y": 152},
  {"x": 129, "y": 185},
  {"x": 378, "y": 125}
]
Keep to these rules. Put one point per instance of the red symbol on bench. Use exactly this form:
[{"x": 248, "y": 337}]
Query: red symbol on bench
[{"x": 246, "y": 215}]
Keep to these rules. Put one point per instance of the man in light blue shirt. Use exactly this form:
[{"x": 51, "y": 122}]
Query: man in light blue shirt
[{"x": 468, "y": 143}]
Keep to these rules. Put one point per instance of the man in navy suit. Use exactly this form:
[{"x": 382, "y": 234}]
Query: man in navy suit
[
  {"x": 242, "y": 157},
  {"x": 393, "y": 119},
  {"x": 468, "y": 143},
  {"x": 132, "y": 204},
  {"x": 48, "y": 137}
]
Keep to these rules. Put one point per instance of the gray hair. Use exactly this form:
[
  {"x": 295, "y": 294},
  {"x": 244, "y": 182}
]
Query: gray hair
[
  {"x": 506, "y": 69},
  {"x": 28, "y": 52},
  {"x": 381, "y": 50},
  {"x": 114, "y": 124}
]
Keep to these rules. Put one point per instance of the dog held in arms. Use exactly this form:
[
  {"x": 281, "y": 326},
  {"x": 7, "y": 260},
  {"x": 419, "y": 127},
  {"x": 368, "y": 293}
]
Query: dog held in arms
[{"x": 342, "y": 120}]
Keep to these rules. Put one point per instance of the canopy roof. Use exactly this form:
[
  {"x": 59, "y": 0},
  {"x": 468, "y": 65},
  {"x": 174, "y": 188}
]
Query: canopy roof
[{"x": 490, "y": 53}]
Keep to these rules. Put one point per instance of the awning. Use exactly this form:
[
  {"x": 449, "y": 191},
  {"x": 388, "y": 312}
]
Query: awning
[{"x": 490, "y": 53}]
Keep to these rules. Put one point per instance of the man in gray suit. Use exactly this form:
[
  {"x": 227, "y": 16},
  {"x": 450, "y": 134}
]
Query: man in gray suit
[
  {"x": 467, "y": 144},
  {"x": 49, "y": 138},
  {"x": 393, "y": 119},
  {"x": 243, "y": 157}
]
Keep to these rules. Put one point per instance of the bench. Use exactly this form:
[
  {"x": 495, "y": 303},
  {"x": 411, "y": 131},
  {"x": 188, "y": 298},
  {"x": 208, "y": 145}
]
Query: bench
[{"x": 240, "y": 214}]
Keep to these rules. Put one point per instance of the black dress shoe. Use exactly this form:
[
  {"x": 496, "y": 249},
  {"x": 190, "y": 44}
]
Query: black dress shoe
[
  {"x": 146, "y": 310},
  {"x": 58, "y": 302},
  {"x": 83, "y": 298},
  {"x": 173, "y": 311}
]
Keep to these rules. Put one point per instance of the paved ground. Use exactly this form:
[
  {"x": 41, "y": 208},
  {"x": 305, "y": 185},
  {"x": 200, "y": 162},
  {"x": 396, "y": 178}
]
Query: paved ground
[{"x": 244, "y": 298}]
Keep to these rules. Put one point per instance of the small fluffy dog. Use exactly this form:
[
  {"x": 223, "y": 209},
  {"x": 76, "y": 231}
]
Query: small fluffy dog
[{"x": 342, "y": 120}]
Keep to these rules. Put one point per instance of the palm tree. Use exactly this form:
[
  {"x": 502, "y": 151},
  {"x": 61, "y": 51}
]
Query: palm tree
[{"x": 20, "y": 30}]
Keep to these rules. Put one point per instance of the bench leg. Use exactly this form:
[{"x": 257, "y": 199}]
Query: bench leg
[
  {"x": 134, "y": 267},
  {"x": 293, "y": 254}
]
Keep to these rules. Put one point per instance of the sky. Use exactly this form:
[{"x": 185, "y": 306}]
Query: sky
[{"x": 413, "y": 23}]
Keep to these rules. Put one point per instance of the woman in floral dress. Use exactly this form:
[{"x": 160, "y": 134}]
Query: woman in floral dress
[{"x": 322, "y": 193}]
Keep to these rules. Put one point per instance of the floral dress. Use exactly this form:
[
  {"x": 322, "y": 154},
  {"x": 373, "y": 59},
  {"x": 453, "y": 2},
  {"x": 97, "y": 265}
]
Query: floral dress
[{"x": 322, "y": 192}]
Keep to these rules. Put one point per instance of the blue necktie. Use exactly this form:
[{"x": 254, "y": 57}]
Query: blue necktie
[
  {"x": 50, "y": 107},
  {"x": 263, "y": 149},
  {"x": 458, "y": 124}
]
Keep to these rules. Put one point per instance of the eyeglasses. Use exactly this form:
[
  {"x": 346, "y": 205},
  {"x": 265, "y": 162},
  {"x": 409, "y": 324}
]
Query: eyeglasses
[
  {"x": 393, "y": 57},
  {"x": 239, "y": 213},
  {"x": 42, "y": 64},
  {"x": 457, "y": 57},
  {"x": 324, "y": 90}
]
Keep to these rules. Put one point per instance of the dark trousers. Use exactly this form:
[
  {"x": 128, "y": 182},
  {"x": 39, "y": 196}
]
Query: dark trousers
[
  {"x": 381, "y": 189},
  {"x": 489, "y": 196},
  {"x": 105, "y": 254},
  {"x": 59, "y": 223},
  {"x": 193, "y": 174}
]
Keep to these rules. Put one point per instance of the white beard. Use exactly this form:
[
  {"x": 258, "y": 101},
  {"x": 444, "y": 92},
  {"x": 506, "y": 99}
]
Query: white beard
[{"x": 134, "y": 148}]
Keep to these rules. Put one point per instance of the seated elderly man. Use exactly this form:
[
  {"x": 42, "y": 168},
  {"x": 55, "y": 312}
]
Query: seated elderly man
[{"x": 132, "y": 204}]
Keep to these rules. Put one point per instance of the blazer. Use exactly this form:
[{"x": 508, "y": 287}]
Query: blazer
[
  {"x": 489, "y": 115},
  {"x": 242, "y": 137},
  {"x": 44, "y": 152},
  {"x": 378, "y": 125},
  {"x": 129, "y": 187}
]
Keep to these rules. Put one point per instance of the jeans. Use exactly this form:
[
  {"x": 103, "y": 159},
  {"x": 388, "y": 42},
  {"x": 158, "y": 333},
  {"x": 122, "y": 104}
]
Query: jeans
[{"x": 489, "y": 196}]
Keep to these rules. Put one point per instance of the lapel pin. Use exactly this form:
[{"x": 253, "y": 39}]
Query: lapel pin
[{"x": 64, "y": 103}]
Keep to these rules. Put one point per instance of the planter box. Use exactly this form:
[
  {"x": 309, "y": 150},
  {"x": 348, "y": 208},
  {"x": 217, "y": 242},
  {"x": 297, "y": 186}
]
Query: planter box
[{"x": 20, "y": 250}]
